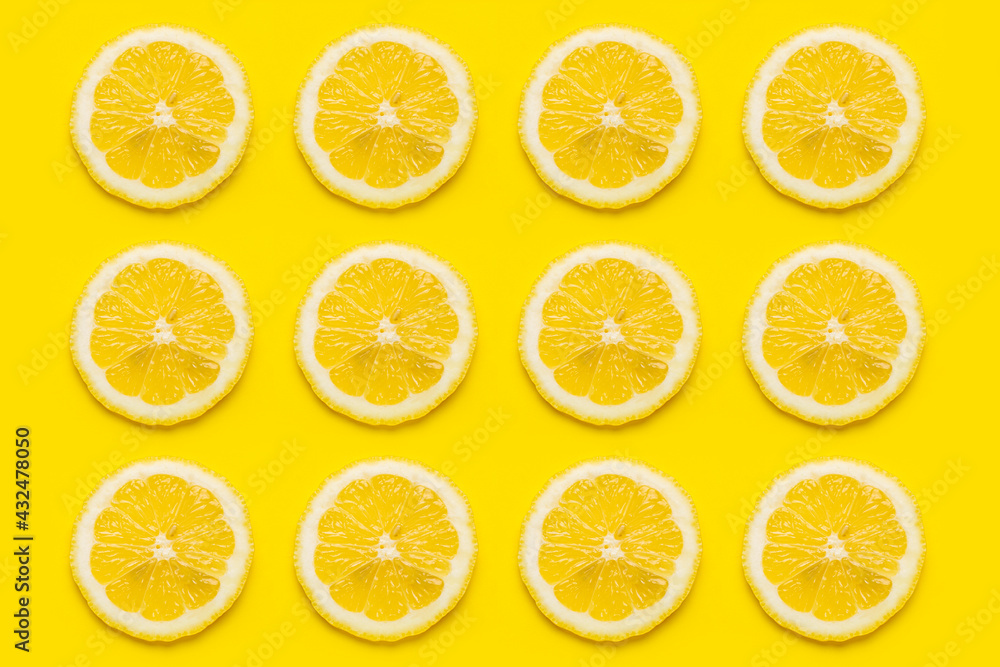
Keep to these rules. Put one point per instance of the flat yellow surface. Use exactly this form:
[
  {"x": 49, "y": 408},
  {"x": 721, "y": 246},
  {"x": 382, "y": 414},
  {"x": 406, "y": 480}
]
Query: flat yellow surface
[{"x": 500, "y": 226}]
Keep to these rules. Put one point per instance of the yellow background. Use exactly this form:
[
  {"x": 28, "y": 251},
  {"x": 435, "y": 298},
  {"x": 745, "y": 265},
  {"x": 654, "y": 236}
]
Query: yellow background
[{"x": 499, "y": 225}]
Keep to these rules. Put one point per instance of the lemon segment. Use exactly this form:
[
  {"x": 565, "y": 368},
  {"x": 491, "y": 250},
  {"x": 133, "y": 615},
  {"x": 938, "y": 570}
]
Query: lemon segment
[
  {"x": 834, "y": 332},
  {"x": 834, "y": 548},
  {"x": 386, "y": 115},
  {"x": 610, "y": 548},
  {"x": 385, "y": 548},
  {"x": 834, "y": 115},
  {"x": 162, "y": 115},
  {"x": 162, "y": 549},
  {"x": 385, "y": 332},
  {"x": 610, "y": 115},
  {"x": 162, "y": 332},
  {"x": 610, "y": 332}
]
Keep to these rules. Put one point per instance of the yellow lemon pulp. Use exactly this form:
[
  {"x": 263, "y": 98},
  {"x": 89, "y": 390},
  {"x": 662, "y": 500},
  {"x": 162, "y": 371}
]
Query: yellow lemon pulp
[
  {"x": 385, "y": 114},
  {"x": 609, "y": 330},
  {"x": 161, "y": 114},
  {"x": 833, "y": 547},
  {"x": 385, "y": 546},
  {"x": 833, "y": 331},
  {"x": 385, "y": 331},
  {"x": 160, "y": 547},
  {"x": 161, "y": 331},
  {"x": 609, "y": 114},
  {"x": 609, "y": 546},
  {"x": 833, "y": 114}
]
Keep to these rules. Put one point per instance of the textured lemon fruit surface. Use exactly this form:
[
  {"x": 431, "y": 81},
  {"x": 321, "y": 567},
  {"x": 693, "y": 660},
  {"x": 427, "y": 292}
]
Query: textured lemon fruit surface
[
  {"x": 161, "y": 554},
  {"x": 385, "y": 331},
  {"x": 839, "y": 331},
  {"x": 386, "y": 549},
  {"x": 604, "y": 111},
  {"x": 162, "y": 112},
  {"x": 833, "y": 106},
  {"x": 833, "y": 547},
  {"x": 607, "y": 552},
  {"x": 612, "y": 329},
  {"x": 386, "y": 115},
  {"x": 160, "y": 330}
]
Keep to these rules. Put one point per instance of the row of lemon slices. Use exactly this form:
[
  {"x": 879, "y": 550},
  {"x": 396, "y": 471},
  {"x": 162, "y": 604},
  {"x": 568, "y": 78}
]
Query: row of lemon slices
[
  {"x": 608, "y": 333},
  {"x": 608, "y": 550},
  {"x": 609, "y": 115}
]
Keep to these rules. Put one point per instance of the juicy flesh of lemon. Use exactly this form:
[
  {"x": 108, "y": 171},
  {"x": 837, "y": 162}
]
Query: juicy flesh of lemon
[
  {"x": 385, "y": 331},
  {"x": 385, "y": 546},
  {"x": 161, "y": 331},
  {"x": 609, "y": 546},
  {"x": 609, "y": 113},
  {"x": 833, "y": 547},
  {"x": 833, "y": 114},
  {"x": 833, "y": 331},
  {"x": 385, "y": 114},
  {"x": 609, "y": 330},
  {"x": 160, "y": 547},
  {"x": 161, "y": 114}
]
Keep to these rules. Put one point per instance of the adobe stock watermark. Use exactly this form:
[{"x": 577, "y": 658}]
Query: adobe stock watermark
[
  {"x": 962, "y": 294},
  {"x": 558, "y": 14},
  {"x": 43, "y": 354},
  {"x": 966, "y": 632},
  {"x": 34, "y": 22},
  {"x": 898, "y": 16},
  {"x": 444, "y": 636},
  {"x": 266, "y": 474},
  {"x": 712, "y": 28},
  {"x": 531, "y": 209},
  {"x": 266, "y": 645},
  {"x": 294, "y": 279},
  {"x": 466, "y": 448},
  {"x": 707, "y": 374}
]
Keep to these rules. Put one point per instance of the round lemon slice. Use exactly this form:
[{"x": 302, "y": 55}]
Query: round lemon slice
[
  {"x": 834, "y": 548},
  {"x": 386, "y": 332},
  {"x": 833, "y": 115},
  {"x": 610, "y": 115},
  {"x": 833, "y": 332},
  {"x": 162, "y": 115},
  {"x": 385, "y": 548},
  {"x": 610, "y": 332},
  {"x": 162, "y": 549},
  {"x": 610, "y": 548},
  {"x": 162, "y": 332},
  {"x": 386, "y": 115}
]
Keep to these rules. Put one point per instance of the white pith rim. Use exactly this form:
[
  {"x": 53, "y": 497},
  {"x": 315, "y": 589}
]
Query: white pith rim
[
  {"x": 903, "y": 366},
  {"x": 455, "y": 582},
  {"x": 679, "y": 150},
  {"x": 231, "y": 149},
  {"x": 678, "y": 583},
  {"x": 230, "y": 584},
  {"x": 455, "y": 149},
  {"x": 415, "y": 405},
  {"x": 685, "y": 351},
  {"x": 865, "y": 187},
  {"x": 237, "y": 349},
  {"x": 902, "y": 583}
]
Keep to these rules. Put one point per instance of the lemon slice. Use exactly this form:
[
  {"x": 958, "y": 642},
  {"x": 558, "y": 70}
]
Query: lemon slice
[
  {"x": 610, "y": 332},
  {"x": 385, "y": 548},
  {"x": 833, "y": 548},
  {"x": 833, "y": 115},
  {"x": 162, "y": 332},
  {"x": 162, "y": 115},
  {"x": 610, "y": 115},
  {"x": 610, "y": 548},
  {"x": 833, "y": 332},
  {"x": 386, "y": 332},
  {"x": 162, "y": 549},
  {"x": 386, "y": 115}
]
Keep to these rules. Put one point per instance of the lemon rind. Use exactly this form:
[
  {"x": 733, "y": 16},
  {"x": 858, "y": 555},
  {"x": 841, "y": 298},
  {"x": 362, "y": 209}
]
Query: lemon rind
[
  {"x": 237, "y": 134},
  {"x": 804, "y": 623},
  {"x": 904, "y": 366},
  {"x": 866, "y": 187},
  {"x": 456, "y": 582},
  {"x": 456, "y": 149},
  {"x": 680, "y": 582},
  {"x": 679, "y": 150},
  {"x": 680, "y": 367},
  {"x": 234, "y": 507},
  {"x": 192, "y": 405}
]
